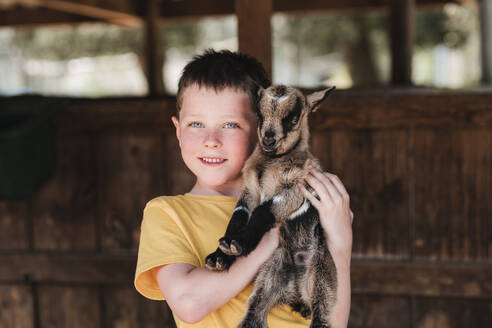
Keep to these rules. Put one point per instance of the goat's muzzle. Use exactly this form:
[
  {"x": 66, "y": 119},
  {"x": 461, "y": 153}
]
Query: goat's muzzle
[{"x": 268, "y": 142}]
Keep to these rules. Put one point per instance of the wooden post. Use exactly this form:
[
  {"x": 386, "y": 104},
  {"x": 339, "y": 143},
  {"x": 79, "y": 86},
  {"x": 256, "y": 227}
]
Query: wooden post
[
  {"x": 401, "y": 38},
  {"x": 153, "y": 51},
  {"x": 254, "y": 31},
  {"x": 486, "y": 36}
]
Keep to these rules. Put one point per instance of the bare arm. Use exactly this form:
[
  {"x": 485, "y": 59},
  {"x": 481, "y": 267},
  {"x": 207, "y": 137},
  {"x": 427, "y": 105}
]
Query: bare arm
[
  {"x": 336, "y": 220},
  {"x": 192, "y": 293}
]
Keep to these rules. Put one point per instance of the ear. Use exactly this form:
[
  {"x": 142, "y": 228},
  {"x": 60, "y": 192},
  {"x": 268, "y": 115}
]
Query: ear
[
  {"x": 316, "y": 98},
  {"x": 176, "y": 125},
  {"x": 260, "y": 92}
]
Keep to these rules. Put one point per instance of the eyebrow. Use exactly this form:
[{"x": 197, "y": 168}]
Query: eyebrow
[{"x": 235, "y": 118}]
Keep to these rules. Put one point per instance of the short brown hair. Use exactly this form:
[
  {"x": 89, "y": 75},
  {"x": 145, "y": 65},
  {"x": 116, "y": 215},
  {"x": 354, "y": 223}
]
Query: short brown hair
[{"x": 223, "y": 69}]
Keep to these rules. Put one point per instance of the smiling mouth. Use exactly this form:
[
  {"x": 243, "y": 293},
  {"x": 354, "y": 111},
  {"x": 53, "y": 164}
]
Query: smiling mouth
[{"x": 212, "y": 160}]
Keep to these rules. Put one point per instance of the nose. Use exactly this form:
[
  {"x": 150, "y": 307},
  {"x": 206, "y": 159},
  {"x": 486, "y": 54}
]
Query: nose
[
  {"x": 269, "y": 139},
  {"x": 212, "y": 140}
]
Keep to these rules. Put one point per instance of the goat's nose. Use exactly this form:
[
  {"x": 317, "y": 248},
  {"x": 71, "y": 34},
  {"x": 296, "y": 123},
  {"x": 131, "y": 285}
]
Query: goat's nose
[
  {"x": 269, "y": 134},
  {"x": 268, "y": 141}
]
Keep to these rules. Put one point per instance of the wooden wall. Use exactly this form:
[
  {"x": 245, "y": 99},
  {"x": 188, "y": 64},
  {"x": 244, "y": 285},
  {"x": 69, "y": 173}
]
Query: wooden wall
[{"x": 417, "y": 164}]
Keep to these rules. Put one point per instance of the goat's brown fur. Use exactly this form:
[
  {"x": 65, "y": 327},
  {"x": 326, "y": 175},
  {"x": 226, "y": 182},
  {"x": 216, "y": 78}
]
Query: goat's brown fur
[{"x": 301, "y": 272}]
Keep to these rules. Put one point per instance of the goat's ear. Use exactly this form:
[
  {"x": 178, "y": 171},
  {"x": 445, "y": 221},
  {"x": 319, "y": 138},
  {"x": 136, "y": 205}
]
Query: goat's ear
[
  {"x": 316, "y": 98},
  {"x": 260, "y": 92}
]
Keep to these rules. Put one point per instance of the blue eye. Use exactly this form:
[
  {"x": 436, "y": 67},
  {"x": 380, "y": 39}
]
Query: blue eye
[
  {"x": 231, "y": 125},
  {"x": 195, "y": 124}
]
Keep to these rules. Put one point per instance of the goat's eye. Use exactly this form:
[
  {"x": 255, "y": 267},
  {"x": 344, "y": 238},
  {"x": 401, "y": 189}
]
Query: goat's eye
[{"x": 295, "y": 119}]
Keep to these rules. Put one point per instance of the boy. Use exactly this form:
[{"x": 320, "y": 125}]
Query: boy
[{"x": 216, "y": 130}]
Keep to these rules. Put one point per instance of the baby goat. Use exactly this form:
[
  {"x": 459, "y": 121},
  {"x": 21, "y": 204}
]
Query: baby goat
[{"x": 301, "y": 272}]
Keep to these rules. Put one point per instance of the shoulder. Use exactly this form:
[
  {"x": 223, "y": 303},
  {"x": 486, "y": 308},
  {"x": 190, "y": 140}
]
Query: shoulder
[
  {"x": 161, "y": 208},
  {"x": 165, "y": 202}
]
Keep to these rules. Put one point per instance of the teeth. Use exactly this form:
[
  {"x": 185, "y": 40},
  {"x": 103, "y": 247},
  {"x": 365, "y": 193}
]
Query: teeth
[{"x": 212, "y": 160}]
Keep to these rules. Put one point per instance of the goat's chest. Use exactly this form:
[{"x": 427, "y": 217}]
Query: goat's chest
[{"x": 276, "y": 178}]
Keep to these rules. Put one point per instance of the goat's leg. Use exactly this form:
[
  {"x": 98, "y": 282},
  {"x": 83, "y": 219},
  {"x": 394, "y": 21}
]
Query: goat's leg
[
  {"x": 222, "y": 258},
  {"x": 242, "y": 243},
  {"x": 324, "y": 291},
  {"x": 269, "y": 291}
]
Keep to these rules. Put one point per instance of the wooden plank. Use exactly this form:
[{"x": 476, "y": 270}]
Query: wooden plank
[
  {"x": 66, "y": 267},
  {"x": 129, "y": 175},
  {"x": 444, "y": 279},
  {"x": 254, "y": 30},
  {"x": 401, "y": 31},
  {"x": 447, "y": 313},
  {"x": 379, "y": 311},
  {"x": 63, "y": 210},
  {"x": 403, "y": 108},
  {"x": 465, "y": 280},
  {"x": 14, "y": 225},
  {"x": 372, "y": 165},
  {"x": 126, "y": 308},
  {"x": 453, "y": 184},
  {"x": 351, "y": 109},
  {"x": 386, "y": 108},
  {"x": 16, "y": 307},
  {"x": 74, "y": 306},
  {"x": 116, "y": 115}
]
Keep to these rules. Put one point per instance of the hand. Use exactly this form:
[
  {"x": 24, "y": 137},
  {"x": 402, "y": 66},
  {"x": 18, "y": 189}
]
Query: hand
[{"x": 333, "y": 207}]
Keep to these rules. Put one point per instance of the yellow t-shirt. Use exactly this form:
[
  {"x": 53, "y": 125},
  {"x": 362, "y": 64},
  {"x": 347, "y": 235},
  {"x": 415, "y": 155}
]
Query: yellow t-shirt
[{"x": 185, "y": 229}]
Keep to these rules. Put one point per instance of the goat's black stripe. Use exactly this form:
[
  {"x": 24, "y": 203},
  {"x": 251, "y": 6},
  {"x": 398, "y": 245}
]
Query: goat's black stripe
[{"x": 287, "y": 120}]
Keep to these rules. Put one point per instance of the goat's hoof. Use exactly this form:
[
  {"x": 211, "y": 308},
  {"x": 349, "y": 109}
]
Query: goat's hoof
[
  {"x": 230, "y": 246},
  {"x": 236, "y": 249},
  {"x": 217, "y": 261}
]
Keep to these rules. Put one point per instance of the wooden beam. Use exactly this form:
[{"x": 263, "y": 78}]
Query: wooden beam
[
  {"x": 373, "y": 109},
  {"x": 153, "y": 53},
  {"x": 254, "y": 31},
  {"x": 401, "y": 31},
  {"x": 122, "y": 11},
  {"x": 129, "y": 12},
  {"x": 368, "y": 277},
  {"x": 191, "y": 8},
  {"x": 486, "y": 36},
  {"x": 21, "y": 16}
]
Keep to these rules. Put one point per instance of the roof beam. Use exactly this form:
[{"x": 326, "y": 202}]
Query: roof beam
[
  {"x": 131, "y": 12},
  {"x": 39, "y": 16},
  {"x": 126, "y": 14}
]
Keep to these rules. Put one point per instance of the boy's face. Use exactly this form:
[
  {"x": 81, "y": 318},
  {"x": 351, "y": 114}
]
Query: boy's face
[{"x": 216, "y": 133}]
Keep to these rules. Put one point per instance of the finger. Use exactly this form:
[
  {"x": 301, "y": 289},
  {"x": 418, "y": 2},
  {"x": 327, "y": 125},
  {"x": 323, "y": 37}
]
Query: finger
[
  {"x": 351, "y": 217},
  {"x": 318, "y": 186},
  {"x": 332, "y": 190},
  {"x": 309, "y": 196},
  {"x": 337, "y": 183}
]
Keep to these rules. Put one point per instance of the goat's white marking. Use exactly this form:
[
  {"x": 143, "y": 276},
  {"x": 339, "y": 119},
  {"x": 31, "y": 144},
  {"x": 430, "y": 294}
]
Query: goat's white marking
[
  {"x": 241, "y": 208},
  {"x": 278, "y": 99},
  {"x": 301, "y": 210},
  {"x": 262, "y": 198},
  {"x": 278, "y": 198}
]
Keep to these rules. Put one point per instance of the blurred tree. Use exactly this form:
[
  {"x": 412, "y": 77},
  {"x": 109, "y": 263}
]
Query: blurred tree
[{"x": 354, "y": 37}]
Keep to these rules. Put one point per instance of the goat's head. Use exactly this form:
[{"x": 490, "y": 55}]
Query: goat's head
[{"x": 283, "y": 113}]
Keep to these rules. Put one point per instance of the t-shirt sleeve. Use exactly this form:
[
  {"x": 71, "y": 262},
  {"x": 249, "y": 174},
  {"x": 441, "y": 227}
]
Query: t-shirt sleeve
[{"x": 161, "y": 242}]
